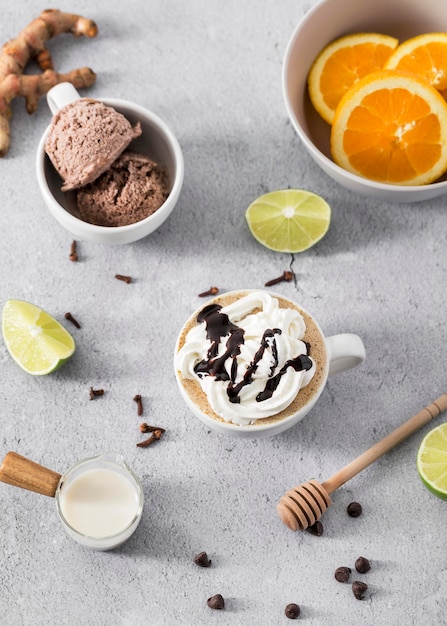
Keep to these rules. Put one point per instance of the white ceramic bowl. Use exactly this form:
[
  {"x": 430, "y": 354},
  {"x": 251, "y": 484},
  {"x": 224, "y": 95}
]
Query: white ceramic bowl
[
  {"x": 325, "y": 22},
  {"x": 156, "y": 141}
]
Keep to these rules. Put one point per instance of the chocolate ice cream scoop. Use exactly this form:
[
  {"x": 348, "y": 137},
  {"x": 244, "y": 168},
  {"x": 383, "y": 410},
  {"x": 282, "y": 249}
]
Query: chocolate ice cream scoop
[
  {"x": 132, "y": 188},
  {"x": 85, "y": 138}
]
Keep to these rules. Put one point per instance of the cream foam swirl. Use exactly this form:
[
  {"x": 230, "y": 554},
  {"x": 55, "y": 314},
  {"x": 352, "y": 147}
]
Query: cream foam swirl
[{"x": 248, "y": 357}]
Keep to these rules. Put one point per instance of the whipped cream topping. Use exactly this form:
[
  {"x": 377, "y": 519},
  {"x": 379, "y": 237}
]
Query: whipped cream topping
[{"x": 249, "y": 357}]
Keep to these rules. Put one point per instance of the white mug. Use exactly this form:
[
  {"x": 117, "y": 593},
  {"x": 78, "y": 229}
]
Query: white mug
[
  {"x": 157, "y": 141},
  {"x": 343, "y": 352}
]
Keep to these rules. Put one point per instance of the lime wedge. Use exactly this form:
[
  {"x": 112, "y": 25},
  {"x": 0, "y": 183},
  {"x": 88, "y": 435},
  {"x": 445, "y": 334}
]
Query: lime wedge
[
  {"x": 36, "y": 341},
  {"x": 288, "y": 220},
  {"x": 432, "y": 461}
]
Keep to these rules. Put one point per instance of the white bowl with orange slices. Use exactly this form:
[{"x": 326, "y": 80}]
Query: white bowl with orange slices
[{"x": 365, "y": 87}]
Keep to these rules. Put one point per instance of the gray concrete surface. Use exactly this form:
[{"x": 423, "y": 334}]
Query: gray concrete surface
[{"x": 212, "y": 71}]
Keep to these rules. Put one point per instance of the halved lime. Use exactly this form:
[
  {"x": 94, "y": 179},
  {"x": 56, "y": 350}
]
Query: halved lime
[
  {"x": 432, "y": 461},
  {"x": 36, "y": 341},
  {"x": 288, "y": 220}
]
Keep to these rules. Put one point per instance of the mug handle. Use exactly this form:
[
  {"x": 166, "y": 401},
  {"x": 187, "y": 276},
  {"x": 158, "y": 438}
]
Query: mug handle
[
  {"x": 60, "y": 95},
  {"x": 345, "y": 351}
]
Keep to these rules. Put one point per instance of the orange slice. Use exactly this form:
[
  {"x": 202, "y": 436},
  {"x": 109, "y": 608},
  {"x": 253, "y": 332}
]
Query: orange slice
[
  {"x": 424, "y": 55},
  {"x": 341, "y": 64},
  {"x": 391, "y": 127}
]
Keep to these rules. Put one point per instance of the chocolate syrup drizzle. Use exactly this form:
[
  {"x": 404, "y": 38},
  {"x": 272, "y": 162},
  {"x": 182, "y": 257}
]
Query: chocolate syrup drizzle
[{"x": 218, "y": 326}]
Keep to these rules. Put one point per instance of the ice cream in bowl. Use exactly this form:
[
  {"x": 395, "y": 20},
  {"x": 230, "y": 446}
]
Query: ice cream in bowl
[
  {"x": 251, "y": 363},
  {"x": 109, "y": 170}
]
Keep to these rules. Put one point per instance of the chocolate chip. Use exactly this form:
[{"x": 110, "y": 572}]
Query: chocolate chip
[
  {"x": 316, "y": 529},
  {"x": 292, "y": 611},
  {"x": 202, "y": 560},
  {"x": 359, "y": 589},
  {"x": 216, "y": 602},
  {"x": 362, "y": 565},
  {"x": 342, "y": 574},
  {"x": 354, "y": 509}
]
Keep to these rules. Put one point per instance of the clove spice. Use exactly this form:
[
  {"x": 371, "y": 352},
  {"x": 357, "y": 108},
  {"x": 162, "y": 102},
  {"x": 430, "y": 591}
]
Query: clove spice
[
  {"x": 124, "y": 279},
  {"x": 286, "y": 276},
  {"x": 139, "y": 402},
  {"x": 94, "y": 393},
  {"x": 155, "y": 436},
  {"x": 212, "y": 291},
  {"x": 146, "y": 428},
  {"x": 73, "y": 254},
  {"x": 68, "y": 316}
]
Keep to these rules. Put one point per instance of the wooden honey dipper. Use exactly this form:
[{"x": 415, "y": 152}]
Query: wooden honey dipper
[{"x": 302, "y": 506}]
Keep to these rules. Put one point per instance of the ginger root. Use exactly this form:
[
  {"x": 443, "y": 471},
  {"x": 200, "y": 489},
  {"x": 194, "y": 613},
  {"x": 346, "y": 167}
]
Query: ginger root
[{"x": 31, "y": 44}]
